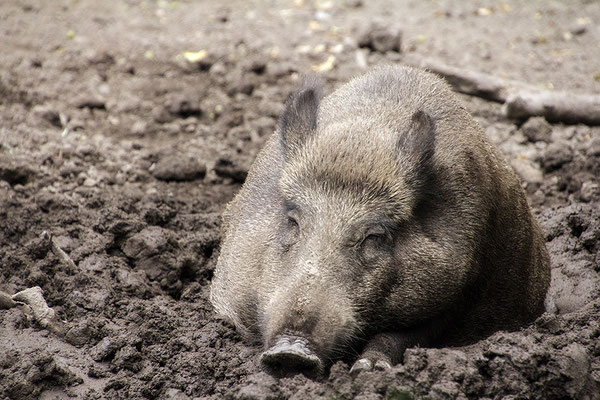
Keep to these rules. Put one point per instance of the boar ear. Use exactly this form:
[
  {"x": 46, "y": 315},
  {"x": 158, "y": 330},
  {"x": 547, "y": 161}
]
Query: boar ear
[
  {"x": 299, "y": 117},
  {"x": 419, "y": 139}
]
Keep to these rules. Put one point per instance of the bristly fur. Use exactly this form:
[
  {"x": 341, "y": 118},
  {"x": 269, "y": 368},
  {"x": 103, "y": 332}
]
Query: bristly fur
[{"x": 379, "y": 214}]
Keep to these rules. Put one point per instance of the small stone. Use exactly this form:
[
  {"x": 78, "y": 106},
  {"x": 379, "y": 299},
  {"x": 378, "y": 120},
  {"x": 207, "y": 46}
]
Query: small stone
[
  {"x": 590, "y": 191},
  {"x": 380, "y": 39},
  {"x": 556, "y": 155},
  {"x": 577, "y": 30},
  {"x": 226, "y": 168},
  {"x": 527, "y": 170},
  {"x": 179, "y": 168},
  {"x": 537, "y": 129}
]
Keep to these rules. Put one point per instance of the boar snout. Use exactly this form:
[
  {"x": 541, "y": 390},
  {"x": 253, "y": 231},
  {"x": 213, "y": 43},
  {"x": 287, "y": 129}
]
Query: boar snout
[{"x": 291, "y": 355}]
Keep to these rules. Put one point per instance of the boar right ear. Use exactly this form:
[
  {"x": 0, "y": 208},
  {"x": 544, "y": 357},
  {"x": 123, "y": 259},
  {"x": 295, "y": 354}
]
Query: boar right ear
[
  {"x": 419, "y": 140},
  {"x": 299, "y": 117}
]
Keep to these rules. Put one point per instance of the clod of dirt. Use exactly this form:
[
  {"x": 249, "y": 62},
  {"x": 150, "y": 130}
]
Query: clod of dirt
[
  {"x": 245, "y": 86},
  {"x": 556, "y": 155},
  {"x": 590, "y": 191},
  {"x": 527, "y": 170},
  {"x": 226, "y": 168},
  {"x": 146, "y": 243},
  {"x": 14, "y": 172},
  {"x": 161, "y": 115},
  {"x": 90, "y": 102},
  {"x": 107, "y": 348},
  {"x": 353, "y": 3},
  {"x": 48, "y": 114},
  {"x": 537, "y": 129},
  {"x": 6, "y": 301},
  {"x": 129, "y": 358},
  {"x": 35, "y": 371},
  {"x": 255, "y": 65},
  {"x": 99, "y": 57},
  {"x": 380, "y": 39},
  {"x": 175, "y": 394},
  {"x": 178, "y": 168},
  {"x": 184, "y": 105}
]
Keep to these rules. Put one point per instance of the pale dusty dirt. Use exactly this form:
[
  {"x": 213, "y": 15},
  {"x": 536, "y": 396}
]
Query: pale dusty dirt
[{"x": 127, "y": 154}]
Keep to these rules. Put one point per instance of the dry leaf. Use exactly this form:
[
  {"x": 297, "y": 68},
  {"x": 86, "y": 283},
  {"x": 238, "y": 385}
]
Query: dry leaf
[
  {"x": 326, "y": 66},
  {"x": 195, "y": 56}
]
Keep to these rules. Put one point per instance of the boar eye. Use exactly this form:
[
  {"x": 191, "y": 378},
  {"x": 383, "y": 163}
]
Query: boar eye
[
  {"x": 374, "y": 239},
  {"x": 292, "y": 222}
]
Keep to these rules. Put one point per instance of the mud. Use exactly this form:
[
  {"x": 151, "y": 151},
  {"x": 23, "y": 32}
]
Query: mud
[{"x": 126, "y": 152}]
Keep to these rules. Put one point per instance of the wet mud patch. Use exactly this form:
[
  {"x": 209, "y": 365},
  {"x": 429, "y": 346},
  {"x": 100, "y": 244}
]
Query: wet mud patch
[{"x": 126, "y": 152}]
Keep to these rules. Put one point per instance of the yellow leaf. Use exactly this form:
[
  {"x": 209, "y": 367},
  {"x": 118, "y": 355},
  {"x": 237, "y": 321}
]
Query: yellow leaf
[
  {"x": 315, "y": 26},
  {"x": 70, "y": 34},
  {"x": 326, "y": 66},
  {"x": 195, "y": 56},
  {"x": 484, "y": 11}
]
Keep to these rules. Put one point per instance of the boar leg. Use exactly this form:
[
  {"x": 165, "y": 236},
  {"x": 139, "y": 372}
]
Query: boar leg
[
  {"x": 387, "y": 349},
  {"x": 381, "y": 352}
]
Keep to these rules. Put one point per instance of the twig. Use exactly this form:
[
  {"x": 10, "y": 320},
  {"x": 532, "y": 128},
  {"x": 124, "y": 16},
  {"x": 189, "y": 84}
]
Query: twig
[
  {"x": 58, "y": 252},
  {"x": 554, "y": 106},
  {"x": 34, "y": 300}
]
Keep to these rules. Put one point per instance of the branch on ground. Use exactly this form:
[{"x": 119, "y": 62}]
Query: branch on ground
[{"x": 520, "y": 99}]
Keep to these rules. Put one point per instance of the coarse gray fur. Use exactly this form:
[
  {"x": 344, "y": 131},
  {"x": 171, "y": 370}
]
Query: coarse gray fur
[{"x": 376, "y": 219}]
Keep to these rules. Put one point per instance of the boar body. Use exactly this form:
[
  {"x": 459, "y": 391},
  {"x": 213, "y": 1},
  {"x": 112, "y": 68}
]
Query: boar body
[{"x": 373, "y": 220}]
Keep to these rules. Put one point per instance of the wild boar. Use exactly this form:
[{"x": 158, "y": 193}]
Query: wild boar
[{"x": 373, "y": 220}]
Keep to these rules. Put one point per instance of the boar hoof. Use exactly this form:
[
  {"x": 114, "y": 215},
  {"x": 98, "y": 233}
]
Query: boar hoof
[
  {"x": 382, "y": 365},
  {"x": 364, "y": 364},
  {"x": 291, "y": 355}
]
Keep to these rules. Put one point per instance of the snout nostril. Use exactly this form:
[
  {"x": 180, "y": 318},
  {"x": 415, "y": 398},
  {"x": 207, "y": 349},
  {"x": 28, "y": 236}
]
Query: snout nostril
[{"x": 290, "y": 356}]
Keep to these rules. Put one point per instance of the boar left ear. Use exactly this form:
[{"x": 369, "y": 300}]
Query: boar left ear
[
  {"x": 419, "y": 139},
  {"x": 299, "y": 117}
]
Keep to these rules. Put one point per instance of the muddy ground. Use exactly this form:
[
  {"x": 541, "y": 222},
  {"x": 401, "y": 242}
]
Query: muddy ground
[{"x": 125, "y": 149}]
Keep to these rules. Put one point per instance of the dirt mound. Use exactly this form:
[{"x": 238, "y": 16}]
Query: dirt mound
[{"x": 129, "y": 126}]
